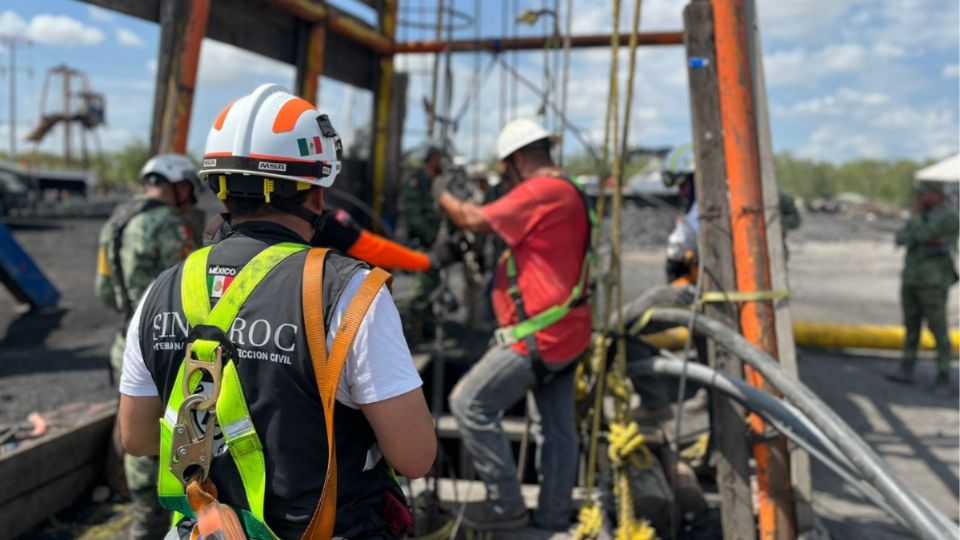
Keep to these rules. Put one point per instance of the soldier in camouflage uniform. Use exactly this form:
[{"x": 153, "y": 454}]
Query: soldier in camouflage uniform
[
  {"x": 423, "y": 224},
  {"x": 142, "y": 238},
  {"x": 930, "y": 236}
]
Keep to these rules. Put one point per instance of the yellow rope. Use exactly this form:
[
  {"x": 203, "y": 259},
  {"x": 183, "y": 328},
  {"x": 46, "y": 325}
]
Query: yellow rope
[
  {"x": 589, "y": 522},
  {"x": 697, "y": 450},
  {"x": 625, "y": 441}
]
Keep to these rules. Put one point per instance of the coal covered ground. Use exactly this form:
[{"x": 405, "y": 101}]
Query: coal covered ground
[{"x": 57, "y": 356}]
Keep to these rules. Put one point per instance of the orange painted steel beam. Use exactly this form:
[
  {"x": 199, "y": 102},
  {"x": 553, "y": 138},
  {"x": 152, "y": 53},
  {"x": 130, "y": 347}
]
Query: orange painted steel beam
[
  {"x": 187, "y": 74},
  {"x": 345, "y": 27},
  {"x": 313, "y": 63},
  {"x": 531, "y": 43},
  {"x": 777, "y": 515}
]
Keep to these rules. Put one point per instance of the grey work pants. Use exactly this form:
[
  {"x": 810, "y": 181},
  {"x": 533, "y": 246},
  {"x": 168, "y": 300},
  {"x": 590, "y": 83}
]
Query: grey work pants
[{"x": 498, "y": 381}]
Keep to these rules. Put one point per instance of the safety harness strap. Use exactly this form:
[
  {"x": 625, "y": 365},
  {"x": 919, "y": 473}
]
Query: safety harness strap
[
  {"x": 526, "y": 328},
  {"x": 327, "y": 369},
  {"x": 231, "y": 409}
]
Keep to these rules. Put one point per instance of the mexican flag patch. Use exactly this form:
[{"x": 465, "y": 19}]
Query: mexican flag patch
[
  {"x": 310, "y": 146},
  {"x": 218, "y": 285}
]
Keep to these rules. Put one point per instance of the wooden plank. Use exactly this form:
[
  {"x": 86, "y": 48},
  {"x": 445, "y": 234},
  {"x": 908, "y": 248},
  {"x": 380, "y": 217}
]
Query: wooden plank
[
  {"x": 733, "y": 470},
  {"x": 421, "y": 361},
  {"x": 453, "y": 492},
  {"x": 30, "y": 467},
  {"x": 513, "y": 428},
  {"x": 40, "y": 480},
  {"x": 30, "y": 509}
]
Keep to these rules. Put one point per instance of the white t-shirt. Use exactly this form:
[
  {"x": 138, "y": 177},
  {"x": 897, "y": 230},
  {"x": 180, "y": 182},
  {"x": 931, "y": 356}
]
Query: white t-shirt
[{"x": 378, "y": 367}]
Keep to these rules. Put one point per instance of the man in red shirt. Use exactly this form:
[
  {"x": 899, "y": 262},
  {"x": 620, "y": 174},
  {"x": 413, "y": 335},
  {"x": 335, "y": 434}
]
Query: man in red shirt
[{"x": 545, "y": 222}]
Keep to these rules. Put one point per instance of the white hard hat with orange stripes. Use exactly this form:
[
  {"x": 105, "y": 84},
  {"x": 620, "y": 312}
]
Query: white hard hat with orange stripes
[{"x": 271, "y": 134}]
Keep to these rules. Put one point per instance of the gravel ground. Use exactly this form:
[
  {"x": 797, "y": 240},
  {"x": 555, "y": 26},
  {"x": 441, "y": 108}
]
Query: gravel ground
[{"x": 643, "y": 226}]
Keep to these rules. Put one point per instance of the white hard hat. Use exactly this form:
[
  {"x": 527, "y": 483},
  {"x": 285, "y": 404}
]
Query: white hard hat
[
  {"x": 273, "y": 133},
  {"x": 517, "y": 134},
  {"x": 172, "y": 168}
]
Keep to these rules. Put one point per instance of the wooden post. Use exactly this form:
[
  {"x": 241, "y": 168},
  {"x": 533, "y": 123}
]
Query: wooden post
[
  {"x": 388, "y": 25},
  {"x": 312, "y": 44},
  {"x": 733, "y": 468},
  {"x": 183, "y": 25},
  {"x": 777, "y": 516},
  {"x": 779, "y": 278}
]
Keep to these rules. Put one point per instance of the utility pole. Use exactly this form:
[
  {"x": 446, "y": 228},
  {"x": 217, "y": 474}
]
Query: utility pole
[{"x": 11, "y": 43}]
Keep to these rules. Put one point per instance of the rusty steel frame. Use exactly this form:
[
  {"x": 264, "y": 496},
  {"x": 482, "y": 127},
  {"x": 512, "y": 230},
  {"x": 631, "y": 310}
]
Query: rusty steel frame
[
  {"x": 777, "y": 515},
  {"x": 532, "y": 43},
  {"x": 317, "y": 12},
  {"x": 388, "y": 25},
  {"x": 310, "y": 66},
  {"x": 181, "y": 78}
]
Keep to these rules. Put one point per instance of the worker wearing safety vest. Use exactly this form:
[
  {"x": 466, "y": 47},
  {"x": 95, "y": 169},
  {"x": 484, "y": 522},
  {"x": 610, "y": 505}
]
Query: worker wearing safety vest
[
  {"x": 930, "y": 236},
  {"x": 273, "y": 380},
  {"x": 142, "y": 238},
  {"x": 538, "y": 297}
]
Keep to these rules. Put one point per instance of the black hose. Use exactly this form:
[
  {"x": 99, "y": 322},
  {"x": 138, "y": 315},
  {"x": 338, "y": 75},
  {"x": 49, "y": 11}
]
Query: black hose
[
  {"x": 772, "y": 410},
  {"x": 924, "y": 521}
]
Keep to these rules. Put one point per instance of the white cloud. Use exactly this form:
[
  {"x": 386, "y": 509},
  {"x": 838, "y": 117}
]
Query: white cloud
[
  {"x": 129, "y": 38},
  {"x": 795, "y": 21},
  {"x": 152, "y": 66},
  {"x": 803, "y": 66},
  {"x": 950, "y": 71},
  {"x": 62, "y": 30},
  {"x": 222, "y": 64},
  {"x": 99, "y": 14},
  {"x": 840, "y": 103},
  {"x": 11, "y": 23}
]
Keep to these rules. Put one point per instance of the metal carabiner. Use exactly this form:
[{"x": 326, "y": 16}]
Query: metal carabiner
[
  {"x": 192, "y": 451},
  {"x": 215, "y": 369}
]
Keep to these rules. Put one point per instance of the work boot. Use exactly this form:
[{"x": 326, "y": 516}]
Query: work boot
[
  {"x": 903, "y": 375},
  {"x": 942, "y": 387},
  {"x": 483, "y": 515}
]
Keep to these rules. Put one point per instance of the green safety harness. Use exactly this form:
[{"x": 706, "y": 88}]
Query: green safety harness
[
  {"x": 526, "y": 328},
  {"x": 185, "y": 451}
]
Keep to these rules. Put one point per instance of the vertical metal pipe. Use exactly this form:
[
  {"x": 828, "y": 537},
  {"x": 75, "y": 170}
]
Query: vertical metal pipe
[
  {"x": 12, "y": 47},
  {"x": 388, "y": 27},
  {"x": 438, "y": 35},
  {"x": 67, "y": 158},
  {"x": 777, "y": 517}
]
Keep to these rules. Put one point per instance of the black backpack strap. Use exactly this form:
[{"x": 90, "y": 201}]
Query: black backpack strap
[{"x": 126, "y": 215}]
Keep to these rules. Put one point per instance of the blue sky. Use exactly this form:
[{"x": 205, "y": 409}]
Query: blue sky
[{"x": 846, "y": 78}]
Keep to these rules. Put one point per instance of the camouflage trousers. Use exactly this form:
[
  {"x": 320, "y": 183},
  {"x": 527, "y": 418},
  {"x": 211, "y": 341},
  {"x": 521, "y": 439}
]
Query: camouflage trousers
[
  {"x": 420, "y": 309},
  {"x": 149, "y": 519},
  {"x": 925, "y": 303}
]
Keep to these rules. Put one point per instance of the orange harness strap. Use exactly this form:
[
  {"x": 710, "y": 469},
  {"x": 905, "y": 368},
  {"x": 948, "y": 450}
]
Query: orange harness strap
[{"x": 327, "y": 368}]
